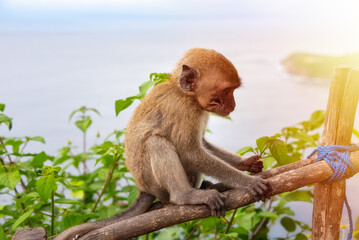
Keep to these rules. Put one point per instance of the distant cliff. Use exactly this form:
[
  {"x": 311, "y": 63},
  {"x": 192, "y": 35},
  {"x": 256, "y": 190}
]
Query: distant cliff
[{"x": 317, "y": 66}]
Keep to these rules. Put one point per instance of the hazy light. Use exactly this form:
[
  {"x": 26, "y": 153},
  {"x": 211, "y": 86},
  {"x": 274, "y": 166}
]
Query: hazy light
[{"x": 82, "y": 5}]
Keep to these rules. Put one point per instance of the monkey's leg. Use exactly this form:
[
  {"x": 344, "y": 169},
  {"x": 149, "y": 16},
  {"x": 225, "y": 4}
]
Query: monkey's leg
[
  {"x": 142, "y": 203},
  {"x": 170, "y": 175}
]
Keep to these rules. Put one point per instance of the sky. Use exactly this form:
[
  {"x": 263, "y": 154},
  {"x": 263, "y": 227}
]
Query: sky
[
  {"x": 326, "y": 10},
  {"x": 332, "y": 17}
]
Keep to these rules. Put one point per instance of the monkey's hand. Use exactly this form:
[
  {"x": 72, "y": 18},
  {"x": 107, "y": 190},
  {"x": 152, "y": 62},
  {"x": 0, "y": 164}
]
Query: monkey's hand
[
  {"x": 253, "y": 164},
  {"x": 259, "y": 187}
]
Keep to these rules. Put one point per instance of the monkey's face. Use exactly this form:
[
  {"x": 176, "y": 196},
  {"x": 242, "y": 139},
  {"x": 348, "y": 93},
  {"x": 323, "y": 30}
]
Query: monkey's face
[
  {"x": 213, "y": 91},
  {"x": 217, "y": 98}
]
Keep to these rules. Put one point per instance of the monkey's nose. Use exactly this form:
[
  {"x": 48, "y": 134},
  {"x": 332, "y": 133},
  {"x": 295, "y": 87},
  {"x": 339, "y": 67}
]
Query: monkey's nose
[{"x": 231, "y": 108}]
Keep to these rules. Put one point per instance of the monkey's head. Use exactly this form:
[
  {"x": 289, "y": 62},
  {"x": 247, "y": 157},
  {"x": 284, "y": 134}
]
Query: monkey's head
[{"x": 210, "y": 78}]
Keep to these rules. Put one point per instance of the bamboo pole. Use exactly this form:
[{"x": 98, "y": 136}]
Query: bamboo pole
[{"x": 338, "y": 126}]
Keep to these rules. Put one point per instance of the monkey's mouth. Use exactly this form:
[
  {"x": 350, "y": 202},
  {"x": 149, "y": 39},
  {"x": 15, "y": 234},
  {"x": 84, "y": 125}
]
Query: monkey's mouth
[
  {"x": 219, "y": 109},
  {"x": 223, "y": 112}
]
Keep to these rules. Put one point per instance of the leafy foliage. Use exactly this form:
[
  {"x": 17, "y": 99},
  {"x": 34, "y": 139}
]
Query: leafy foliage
[
  {"x": 56, "y": 192},
  {"x": 155, "y": 78}
]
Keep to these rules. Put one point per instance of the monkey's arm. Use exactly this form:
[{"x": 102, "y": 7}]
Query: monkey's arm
[
  {"x": 252, "y": 164},
  {"x": 202, "y": 160}
]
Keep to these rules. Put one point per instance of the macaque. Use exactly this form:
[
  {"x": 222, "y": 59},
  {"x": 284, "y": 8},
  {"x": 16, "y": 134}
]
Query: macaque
[{"x": 165, "y": 148}]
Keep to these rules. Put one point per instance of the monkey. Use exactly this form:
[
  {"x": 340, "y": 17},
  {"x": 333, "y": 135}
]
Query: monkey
[{"x": 165, "y": 148}]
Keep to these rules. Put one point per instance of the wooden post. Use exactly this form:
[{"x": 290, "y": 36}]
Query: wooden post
[{"x": 338, "y": 126}]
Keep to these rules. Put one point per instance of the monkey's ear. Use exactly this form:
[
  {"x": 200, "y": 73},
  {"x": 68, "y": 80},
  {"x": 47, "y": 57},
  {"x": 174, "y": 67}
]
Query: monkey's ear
[{"x": 188, "y": 79}]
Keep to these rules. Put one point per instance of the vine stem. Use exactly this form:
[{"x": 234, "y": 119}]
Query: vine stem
[
  {"x": 231, "y": 221},
  {"x": 263, "y": 220},
  {"x": 52, "y": 213},
  {"x": 84, "y": 151},
  {"x": 215, "y": 229},
  {"x": 193, "y": 230},
  {"x": 107, "y": 182}
]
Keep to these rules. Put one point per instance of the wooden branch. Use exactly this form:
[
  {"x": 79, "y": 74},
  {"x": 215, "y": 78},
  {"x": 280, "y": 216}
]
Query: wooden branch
[
  {"x": 174, "y": 214},
  {"x": 36, "y": 233},
  {"x": 281, "y": 169}
]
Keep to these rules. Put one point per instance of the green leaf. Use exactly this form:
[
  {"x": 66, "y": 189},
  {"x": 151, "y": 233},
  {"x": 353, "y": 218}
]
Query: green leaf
[
  {"x": 94, "y": 110},
  {"x": 284, "y": 210},
  {"x": 122, "y": 104},
  {"x": 288, "y": 224},
  {"x": 22, "y": 218},
  {"x": 159, "y": 77},
  {"x": 71, "y": 220},
  {"x": 73, "y": 113},
  {"x": 68, "y": 201},
  {"x": 133, "y": 194},
  {"x": 107, "y": 212},
  {"x": 83, "y": 125},
  {"x": 144, "y": 88},
  {"x": 169, "y": 233},
  {"x": 37, "y": 139},
  {"x": 261, "y": 143},
  {"x": 2, "y": 233},
  {"x": 268, "y": 162},
  {"x": 45, "y": 185},
  {"x": 304, "y": 137},
  {"x": 29, "y": 198},
  {"x": 279, "y": 151},
  {"x": 299, "y": 195},
  {"x": 6, "y": 120},
  {"x": 228, "y": 236},
  {"x": 9, "y": 178},
  {"x": 15, "y": 143},
  {"x": 300, "y": 236},
  {"x": 316, "y": 119},
  {"x": 38, "y": 160},
  {"x": 245, "y": 150},
  {"x": 267, "y": 214},
  {"x": 2, "y": 108},
  {"x": 293, "y": 158}
]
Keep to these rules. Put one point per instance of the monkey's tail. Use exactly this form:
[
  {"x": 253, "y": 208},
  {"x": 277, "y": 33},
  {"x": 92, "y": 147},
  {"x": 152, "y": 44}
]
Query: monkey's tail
[{"x": 141, "y": 205}]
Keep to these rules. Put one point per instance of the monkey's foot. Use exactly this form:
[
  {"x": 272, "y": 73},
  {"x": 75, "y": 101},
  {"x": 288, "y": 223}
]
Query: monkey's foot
[
  {"x": 260, "y": 188},
  {"x": 210, "y": 197}
]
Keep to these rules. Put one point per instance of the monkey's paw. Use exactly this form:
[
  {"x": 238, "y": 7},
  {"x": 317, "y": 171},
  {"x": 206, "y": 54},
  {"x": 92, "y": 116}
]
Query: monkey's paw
[
  {"x": 215, "y": 201},
  {"x": 260, "y": 188},
  {"x": 253, "y": 164}
]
